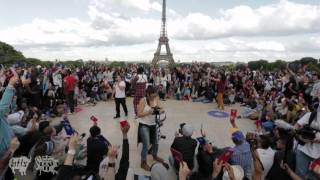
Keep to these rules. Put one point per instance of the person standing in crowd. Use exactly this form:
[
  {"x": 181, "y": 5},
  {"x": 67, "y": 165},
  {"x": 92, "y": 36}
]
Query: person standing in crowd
[
  {"x": 221, "y": 86},
  {"x": 139, "y": 84},
  {"x": 120, "y": 96},
  {"x": 6, "y": 132},
  {"x": 147, "y": 130},
  {"x": 69, "y": 87},
  {"x": 163, "y": 83}
]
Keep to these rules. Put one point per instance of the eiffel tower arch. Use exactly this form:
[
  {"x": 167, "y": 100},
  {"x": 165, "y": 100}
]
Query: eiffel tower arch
[{"x": 163, "y": 41}]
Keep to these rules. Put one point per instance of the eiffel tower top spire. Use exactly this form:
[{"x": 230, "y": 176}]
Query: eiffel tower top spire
[
  {"x": 164, "y": 20},
  {"x": 163, "y": 41}
]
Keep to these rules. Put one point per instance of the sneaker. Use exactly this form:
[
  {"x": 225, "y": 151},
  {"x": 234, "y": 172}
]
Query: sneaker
[{"x": 116, "y": 117}]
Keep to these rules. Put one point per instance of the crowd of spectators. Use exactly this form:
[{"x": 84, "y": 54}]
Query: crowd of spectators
[{"x": 282, "y": 104}]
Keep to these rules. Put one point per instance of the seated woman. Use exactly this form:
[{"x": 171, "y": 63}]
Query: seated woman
[
  {"x": 148, "y": 127},
  {"x": 206, "y": 95},
  {"x": 186, "y": 91},
  {"x": 50, "y": 103}
]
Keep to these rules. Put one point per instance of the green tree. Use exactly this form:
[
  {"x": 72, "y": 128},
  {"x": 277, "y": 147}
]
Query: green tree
[
  {"x": 8, "y": 54},
  {"x": 256, "y": 65}
]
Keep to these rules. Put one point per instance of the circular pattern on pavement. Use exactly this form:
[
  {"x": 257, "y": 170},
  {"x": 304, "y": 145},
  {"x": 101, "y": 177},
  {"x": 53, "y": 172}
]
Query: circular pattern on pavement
[{"x": 218, "y": 114}]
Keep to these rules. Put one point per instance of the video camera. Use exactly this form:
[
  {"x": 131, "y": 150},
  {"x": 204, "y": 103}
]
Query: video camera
[
  {"x": 306, "y": 133},
  {"x": 156, "y": 110},
  {"x": 252, "y": 139}
]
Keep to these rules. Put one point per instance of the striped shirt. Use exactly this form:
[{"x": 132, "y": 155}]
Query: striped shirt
[{"x": 242, "y": 157}]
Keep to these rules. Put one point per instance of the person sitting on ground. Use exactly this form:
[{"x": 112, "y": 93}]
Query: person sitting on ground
[
  {"x": 97, "y": 148},
  {"x": 266, "y": 154},
  {"x": 206, "y": 156},
  {"x": 242, "y": 152},
  {"x": 186, "y": 145},
  {"x": 276, "y": 172},
  {"x": 107, "y": 168}
]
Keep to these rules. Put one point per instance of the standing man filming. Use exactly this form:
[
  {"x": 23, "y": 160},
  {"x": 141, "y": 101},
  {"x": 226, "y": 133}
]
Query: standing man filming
[{"x": 120, "y": 96}]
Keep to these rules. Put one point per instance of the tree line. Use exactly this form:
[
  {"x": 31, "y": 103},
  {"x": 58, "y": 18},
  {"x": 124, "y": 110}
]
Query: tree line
[{"x": 9, "y": 55}]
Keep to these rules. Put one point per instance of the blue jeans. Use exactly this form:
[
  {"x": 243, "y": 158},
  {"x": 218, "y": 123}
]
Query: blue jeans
[
  {"x": 144, "y": 133},
  {"x": 302, "y": 163}
]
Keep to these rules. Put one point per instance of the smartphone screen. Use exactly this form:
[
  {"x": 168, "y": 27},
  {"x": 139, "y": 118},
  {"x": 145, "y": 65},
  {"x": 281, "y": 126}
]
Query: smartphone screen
[
  {"x": 94, "y": 119},
  {"x": 315, "y": 163},
  {"x": 177, "y": 155},
  {"x": 233, "y": 114},
  {"x": 123, "y": 123}
]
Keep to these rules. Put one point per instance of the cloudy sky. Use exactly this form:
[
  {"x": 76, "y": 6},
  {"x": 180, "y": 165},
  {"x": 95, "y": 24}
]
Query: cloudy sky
[{"x": 202, "y": 30}]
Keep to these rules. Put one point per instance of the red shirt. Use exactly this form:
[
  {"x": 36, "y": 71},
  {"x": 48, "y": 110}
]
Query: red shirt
[
  {"x": 70, "y": 83},
  {"x": 221, "y": 85}
]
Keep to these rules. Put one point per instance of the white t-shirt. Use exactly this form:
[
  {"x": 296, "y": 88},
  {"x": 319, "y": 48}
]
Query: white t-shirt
[
  {"x": 311, "y": 149},
  {"x": 142, "y": 78},
  {"x": 110, "y": 76},
  {"x": 163, "y": 81},
  {"x": 147, "y": 120},
  {"x": 120, "y": 93},
  {"x": 266, "y": 156}
]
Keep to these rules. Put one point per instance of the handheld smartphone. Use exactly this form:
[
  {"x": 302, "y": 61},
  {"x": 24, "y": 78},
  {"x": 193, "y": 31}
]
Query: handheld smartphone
[
  {"x": 315, "y": 163},
  {"x": 94, "y": 119},
  {"x": 233, "y": 115},
  {"x": 226, "y": 156},
  {"x": 124, "y": 123},
  {"x": 177, "y": 155}
]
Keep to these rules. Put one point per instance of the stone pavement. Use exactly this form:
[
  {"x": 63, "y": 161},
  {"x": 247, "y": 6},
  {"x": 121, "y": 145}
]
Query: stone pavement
[{"x": 217, "y": 129}]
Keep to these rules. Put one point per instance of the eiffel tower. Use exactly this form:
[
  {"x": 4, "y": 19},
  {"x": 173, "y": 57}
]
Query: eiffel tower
[{"x": 163, "y": 41}]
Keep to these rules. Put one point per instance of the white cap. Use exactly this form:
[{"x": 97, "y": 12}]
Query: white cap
[{"x": 187, "y": 130}]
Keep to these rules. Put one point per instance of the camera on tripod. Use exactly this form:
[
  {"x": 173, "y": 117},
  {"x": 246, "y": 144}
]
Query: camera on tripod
[
  {"x": 156, "y": 110},
  {"x": 159, "y": 119}
]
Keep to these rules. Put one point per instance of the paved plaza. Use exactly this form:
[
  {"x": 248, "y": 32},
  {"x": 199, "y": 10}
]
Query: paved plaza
[{"x": 217, "y": 129}]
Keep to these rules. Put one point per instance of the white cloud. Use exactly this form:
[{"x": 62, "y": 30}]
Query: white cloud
[
  {"x": 261, "y": 32},
  {"x": 283, "y": 18}
]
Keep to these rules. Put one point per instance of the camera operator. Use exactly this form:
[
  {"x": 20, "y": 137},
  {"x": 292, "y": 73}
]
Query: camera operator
[
  {"x": 308, "y": 150},
  {"x": 147, "y": 131}
]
